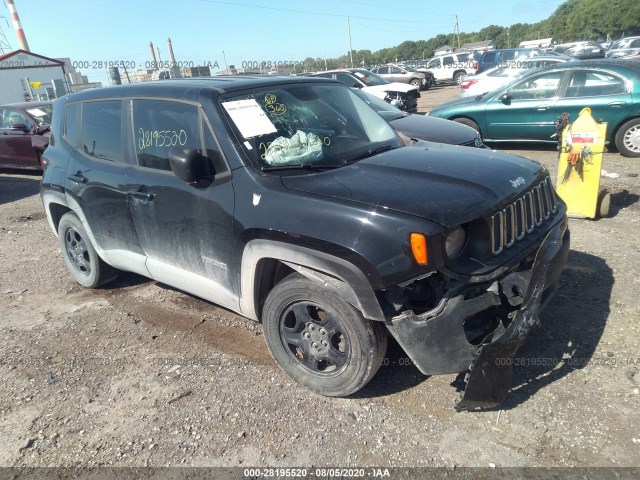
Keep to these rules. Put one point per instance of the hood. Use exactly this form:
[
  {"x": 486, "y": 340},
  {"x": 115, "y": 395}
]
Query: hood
[
  {"x": 446, "y": 184},
  {"x": 378, "y": 90},
  {"x": 433, "y": 129}
]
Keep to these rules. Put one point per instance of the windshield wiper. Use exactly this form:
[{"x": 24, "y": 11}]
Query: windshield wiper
[
  {"x": 299, "y": 166},
  {"x": 367, "y": 154},
  {"x": 481, "y": 95}
]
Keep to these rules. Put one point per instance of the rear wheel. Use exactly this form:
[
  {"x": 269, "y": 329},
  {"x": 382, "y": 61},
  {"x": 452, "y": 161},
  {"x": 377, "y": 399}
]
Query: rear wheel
[
  {"x": 628, "y": 138},
  {"x": 458, "y": 76},
  {"x": 468, "y": 122},
  {"x": 80, "y": 257},
  {"x": 320, "y": 340}
]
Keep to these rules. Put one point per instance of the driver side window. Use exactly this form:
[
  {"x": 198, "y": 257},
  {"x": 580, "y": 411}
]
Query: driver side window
[{"x": 543, "y": 86}]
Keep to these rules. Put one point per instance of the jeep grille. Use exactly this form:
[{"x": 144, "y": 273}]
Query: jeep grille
[{"x": 522, "y": 217}]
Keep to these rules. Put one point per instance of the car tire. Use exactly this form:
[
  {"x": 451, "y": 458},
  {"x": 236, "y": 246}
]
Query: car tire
[
  {"x": 80, "y": 256},
  {"x": 627, "y": 138},
  {"x": 468, "y": 122},
  {"x": 416, "y": 83},
  {"x": 457, "y": 77},
  {"x": 320, "y": 340}
]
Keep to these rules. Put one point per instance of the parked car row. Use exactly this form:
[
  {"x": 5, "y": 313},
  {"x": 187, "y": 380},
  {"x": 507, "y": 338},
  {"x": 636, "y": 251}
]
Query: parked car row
[{"x": 527, "y": 108}]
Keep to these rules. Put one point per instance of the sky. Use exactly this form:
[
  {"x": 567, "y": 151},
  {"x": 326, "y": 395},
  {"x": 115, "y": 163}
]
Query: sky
[{"x": 241, "y": 32}]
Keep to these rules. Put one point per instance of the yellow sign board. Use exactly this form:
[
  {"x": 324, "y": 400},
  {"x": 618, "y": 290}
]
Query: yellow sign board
[
  {"x": 580, "y": 165},
  {"x": 35, "y": 84}
]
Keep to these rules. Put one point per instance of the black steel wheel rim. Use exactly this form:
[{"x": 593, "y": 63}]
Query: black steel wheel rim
[
  {"x": 314, "y": 338},
  {"x": 77, "y": 251}
]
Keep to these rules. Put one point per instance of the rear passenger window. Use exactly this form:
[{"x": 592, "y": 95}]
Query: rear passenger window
[
  {"x": 72, "y": 131},
  {"x": 594, "y": 84},
  {"x": 101, "y": 129},
  {"x": 159, "y": 126},
  {"x": 489, "y": 57},
  {"x": 447, "y": 61}
]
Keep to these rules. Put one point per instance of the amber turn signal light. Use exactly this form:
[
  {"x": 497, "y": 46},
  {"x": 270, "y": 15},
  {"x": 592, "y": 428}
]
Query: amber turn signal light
[{"x": 419, "y": 248}]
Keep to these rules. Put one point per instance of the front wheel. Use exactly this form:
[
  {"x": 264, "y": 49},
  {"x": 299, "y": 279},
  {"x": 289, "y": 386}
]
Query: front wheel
[
  {"x": 628, "y": 138},
  {"x": 320, "y": 340},
  {"x": 415, "y": 82}
]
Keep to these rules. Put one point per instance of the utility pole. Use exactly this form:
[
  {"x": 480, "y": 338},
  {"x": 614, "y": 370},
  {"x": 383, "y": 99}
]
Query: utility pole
[
  {"x": 458, "y": 31},
  {"x": 350, "y": 49}
]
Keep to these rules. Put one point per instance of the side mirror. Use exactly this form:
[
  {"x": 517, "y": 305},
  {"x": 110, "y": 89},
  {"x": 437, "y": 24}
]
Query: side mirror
[
  {"x": 19, "y": 126},
  {"x": 188, "y": 164},
  {"x": 505, "y": 98},
  {"x": 357, "y": 85}
]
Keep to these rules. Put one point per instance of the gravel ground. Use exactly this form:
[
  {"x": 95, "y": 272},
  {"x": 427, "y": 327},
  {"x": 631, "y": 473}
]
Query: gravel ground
[{"x": 139, "y": 374}]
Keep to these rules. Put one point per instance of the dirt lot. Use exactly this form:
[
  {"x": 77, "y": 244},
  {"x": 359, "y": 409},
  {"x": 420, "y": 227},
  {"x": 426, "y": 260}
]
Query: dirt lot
[{"x": 138, "y": 374}]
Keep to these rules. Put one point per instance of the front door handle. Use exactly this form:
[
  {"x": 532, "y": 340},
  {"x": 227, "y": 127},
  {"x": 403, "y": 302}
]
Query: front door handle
[
  {"x": 140, "y": 195},
  {"x": 617, "y": 104},
  {"x": 78, "y": 177},
  {"x": 542, "y": 108}
]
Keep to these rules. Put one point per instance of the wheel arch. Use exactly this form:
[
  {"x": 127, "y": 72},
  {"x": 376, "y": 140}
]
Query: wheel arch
[
  {"x": 454, "y": 118},
  {"x": 56, "y": 211},
  {"x": 456, "y": 72},
  {"x": 266, "y": 262}
]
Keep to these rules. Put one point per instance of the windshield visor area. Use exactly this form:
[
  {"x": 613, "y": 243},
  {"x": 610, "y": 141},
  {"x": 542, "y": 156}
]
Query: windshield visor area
[{"x": 306, "y": 124}]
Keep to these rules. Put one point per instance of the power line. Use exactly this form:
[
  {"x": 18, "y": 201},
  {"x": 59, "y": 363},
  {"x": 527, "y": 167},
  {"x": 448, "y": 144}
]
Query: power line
[
  {"x": 307, "y": 12},
  {"x": 394, "y": 8}
]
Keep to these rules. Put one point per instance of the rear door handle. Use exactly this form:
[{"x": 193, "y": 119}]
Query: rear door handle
[
  {"x": 542, "y": 108},
  {"x": 617, "y": 104},
  {"x": 78, "y": 178},
  {"x": 139, "y": 195}
]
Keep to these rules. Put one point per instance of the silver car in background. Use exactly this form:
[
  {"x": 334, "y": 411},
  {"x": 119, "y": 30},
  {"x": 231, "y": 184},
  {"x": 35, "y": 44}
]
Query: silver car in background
[{"x": 402, "y": 74}]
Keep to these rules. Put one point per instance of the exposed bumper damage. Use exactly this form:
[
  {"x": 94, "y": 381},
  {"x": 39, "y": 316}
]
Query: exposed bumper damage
[{"x": 479, "y": 328}]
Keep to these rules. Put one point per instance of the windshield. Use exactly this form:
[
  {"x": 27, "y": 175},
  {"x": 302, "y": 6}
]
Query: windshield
[
  {"x": 384, "y": 109},
  {"x": 370, "y": 78},
  {"x": 306, "y": 125},
  {"x": 42, "y": 114}
]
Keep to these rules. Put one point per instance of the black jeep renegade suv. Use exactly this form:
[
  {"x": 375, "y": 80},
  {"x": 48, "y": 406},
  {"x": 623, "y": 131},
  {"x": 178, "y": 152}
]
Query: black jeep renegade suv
[{"x": 292, "y": 202}]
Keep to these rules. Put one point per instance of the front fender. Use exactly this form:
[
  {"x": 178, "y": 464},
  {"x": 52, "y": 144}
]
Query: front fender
[{"x": 327, "y": 270}]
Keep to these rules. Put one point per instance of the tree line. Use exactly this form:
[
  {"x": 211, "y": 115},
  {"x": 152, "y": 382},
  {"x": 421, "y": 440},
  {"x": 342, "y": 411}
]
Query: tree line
[{"x": 574, "y": 20}]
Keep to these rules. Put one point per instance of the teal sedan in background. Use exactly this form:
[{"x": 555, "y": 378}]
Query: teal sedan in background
[{"x": 528, "y": 108}]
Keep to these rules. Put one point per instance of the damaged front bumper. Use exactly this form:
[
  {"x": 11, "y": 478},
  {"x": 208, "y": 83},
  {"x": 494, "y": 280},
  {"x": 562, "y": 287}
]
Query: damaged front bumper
[{"x": 480, "y": 330}]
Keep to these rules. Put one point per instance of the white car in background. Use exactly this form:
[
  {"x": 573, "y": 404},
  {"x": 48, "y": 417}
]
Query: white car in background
[
  {"x": 402, "y": 95},
  {"x": 492, "y": 79}
]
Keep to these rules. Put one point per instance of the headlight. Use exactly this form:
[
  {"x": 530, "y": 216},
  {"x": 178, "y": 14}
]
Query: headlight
[{"x": 455, "y": 242}]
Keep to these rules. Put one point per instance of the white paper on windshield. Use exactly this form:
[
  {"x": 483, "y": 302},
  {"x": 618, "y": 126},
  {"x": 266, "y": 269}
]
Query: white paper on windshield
[
  {"x": 359, "y": 74},
  {"x": 37, "y": 112},
  {"x": 249, "y": 117}
]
